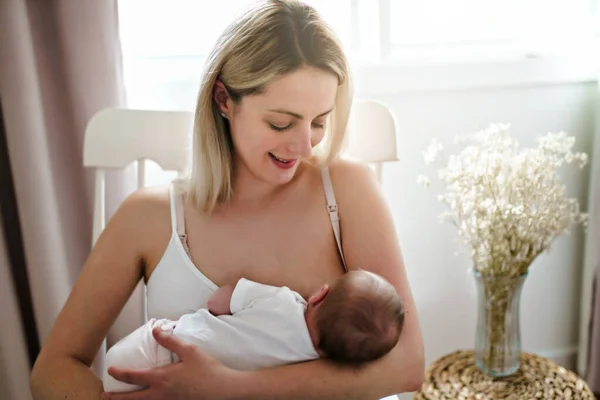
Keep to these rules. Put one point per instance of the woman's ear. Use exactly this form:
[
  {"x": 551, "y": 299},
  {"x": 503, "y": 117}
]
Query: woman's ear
[{"x": 221, "y": 97}]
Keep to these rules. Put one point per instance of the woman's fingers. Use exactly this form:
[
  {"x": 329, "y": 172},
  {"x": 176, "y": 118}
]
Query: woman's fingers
[
  {"x": 171, "y": 342},
  {"x": 141, "y": 377},
  {"x": 139, "y": 395},
  {"x": 153, "y": 379},
  {"x": 142, "y": 395}
]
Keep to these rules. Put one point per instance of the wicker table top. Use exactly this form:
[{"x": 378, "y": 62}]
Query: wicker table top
[{"x": 455, "y": 376}]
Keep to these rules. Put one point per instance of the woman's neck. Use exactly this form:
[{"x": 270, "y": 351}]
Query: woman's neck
[
  {"x": 251, "y": 192},
  {"x": 248, "y": 190}
]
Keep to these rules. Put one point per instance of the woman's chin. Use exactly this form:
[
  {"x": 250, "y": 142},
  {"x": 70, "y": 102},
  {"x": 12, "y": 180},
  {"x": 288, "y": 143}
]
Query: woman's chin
[{"x": 282, "y": 174}]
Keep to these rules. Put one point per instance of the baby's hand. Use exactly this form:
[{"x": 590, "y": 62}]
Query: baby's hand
[{"x": 219, "y": 302}]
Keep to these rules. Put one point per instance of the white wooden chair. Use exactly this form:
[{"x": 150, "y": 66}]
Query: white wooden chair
[{"x": 116, "y": 138}]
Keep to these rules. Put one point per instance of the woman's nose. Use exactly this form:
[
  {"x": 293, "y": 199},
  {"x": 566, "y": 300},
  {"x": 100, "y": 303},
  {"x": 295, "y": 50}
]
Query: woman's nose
[{"x": 301, "y": 142}]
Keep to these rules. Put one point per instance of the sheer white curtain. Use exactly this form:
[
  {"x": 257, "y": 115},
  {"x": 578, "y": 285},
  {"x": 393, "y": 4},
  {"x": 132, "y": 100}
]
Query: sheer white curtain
[{"x": 589, "y": 348}]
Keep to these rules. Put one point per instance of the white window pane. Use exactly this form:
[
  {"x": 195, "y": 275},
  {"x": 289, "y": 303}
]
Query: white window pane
[
  {"x": 449, "y": 22},
  {"x": 338, "y": 14},
  {"x": 163, "y": 83},
  {"x": 165, "y": 43},
  {"x": 163, "y": 28},
  {"x": 558, "y": 23},
  {"x": 427, "y": 22},
  {"x": 596, "y": 16}
]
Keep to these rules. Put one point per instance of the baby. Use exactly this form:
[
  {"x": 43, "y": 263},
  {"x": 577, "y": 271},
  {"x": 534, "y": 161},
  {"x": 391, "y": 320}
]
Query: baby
[{"x": 250, "y": 325}]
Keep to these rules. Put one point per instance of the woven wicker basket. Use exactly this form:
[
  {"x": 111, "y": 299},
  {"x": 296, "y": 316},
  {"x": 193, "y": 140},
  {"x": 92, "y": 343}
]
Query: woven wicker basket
[{"x": 455, "y": 376}]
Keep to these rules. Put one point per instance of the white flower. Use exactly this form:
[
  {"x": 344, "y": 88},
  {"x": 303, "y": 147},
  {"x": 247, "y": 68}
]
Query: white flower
[
  {"x": 430, "y": 154},
  {"x": 423, "y": 180},
  {"x": 507, "y": 202}
]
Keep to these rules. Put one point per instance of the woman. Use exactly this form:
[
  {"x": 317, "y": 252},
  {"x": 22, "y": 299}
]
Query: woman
[{"x": 259, "y": 204}]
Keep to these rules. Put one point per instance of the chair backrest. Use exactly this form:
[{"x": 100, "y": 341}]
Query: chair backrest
[
  {"x": 116, "y": 138},
  {"x": 372, "y": 134}
]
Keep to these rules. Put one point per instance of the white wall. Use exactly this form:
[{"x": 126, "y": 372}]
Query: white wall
[{"x": 441, "y": 103}]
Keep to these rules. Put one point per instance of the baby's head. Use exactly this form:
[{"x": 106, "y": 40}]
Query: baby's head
[{"x": 359, "y": 319}]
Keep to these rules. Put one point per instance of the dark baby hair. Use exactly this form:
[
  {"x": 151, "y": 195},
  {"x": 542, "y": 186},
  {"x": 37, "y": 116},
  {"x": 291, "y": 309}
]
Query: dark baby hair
[{"x": 361, "y": 318}]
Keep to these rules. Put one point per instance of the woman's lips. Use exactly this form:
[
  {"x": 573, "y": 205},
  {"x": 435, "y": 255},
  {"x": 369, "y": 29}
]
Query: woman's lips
[{"x": 282, "y": 163}]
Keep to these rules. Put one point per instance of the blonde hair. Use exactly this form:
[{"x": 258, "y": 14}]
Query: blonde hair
[{"x": 270, "y": 39}]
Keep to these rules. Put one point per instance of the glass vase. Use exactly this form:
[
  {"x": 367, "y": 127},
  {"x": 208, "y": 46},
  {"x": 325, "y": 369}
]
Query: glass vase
[{"x": 498, "y": 334}]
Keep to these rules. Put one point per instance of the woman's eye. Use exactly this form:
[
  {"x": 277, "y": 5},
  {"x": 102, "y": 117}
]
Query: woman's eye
[
  {"x": 285, "y": 128},
  {"x": 280, "y": 128}
]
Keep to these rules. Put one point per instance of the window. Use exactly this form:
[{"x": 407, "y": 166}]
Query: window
[
  {"x": 180, "y": 28},
  {"x": 165, "y": 42},
  {"x": 476, "y": 29}
]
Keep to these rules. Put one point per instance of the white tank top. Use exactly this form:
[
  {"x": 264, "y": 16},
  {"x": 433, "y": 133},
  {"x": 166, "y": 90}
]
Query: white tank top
[{"x": 177, "y": 286}]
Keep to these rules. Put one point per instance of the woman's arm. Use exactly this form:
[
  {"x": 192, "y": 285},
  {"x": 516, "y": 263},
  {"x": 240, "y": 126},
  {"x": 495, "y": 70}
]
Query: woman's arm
[
  {"x": 106, "y": 281},
  {"x": 199, "y": 377},
  {"x": 370, "y": 242}
]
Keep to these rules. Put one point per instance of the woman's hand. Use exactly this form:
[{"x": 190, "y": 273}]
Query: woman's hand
[{"x": 196, "y": 376}]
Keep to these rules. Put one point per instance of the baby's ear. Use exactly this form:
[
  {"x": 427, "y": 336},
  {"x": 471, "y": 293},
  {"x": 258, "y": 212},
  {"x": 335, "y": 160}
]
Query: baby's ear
[{"x": 318, "y": 297}]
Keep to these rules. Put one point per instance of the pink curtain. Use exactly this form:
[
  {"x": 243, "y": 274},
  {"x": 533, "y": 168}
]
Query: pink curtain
[
  {"x": 60, "y": 62},
  {"x": 14, "y": 365}
]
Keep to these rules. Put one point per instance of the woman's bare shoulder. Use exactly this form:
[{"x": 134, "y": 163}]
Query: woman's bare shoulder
[
  {"x": 368, "y": 229},
  {"x": 148, "y": 200},
  {"x": 145, "y": 213},
  {"x": 343, "y": 171},
  {"x": 352, "y": 179}
]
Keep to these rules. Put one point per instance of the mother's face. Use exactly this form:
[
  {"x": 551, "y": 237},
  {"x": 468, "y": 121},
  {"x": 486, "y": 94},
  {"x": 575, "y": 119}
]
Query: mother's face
[{"x": 273, "y": 131}]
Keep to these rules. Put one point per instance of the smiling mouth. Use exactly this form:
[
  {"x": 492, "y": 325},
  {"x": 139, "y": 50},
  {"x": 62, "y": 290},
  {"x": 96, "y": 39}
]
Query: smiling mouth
[{"x": 283, "y": 160}]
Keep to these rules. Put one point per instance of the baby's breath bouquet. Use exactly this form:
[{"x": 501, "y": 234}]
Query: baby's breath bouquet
[{"x": 508, "y": 205}]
